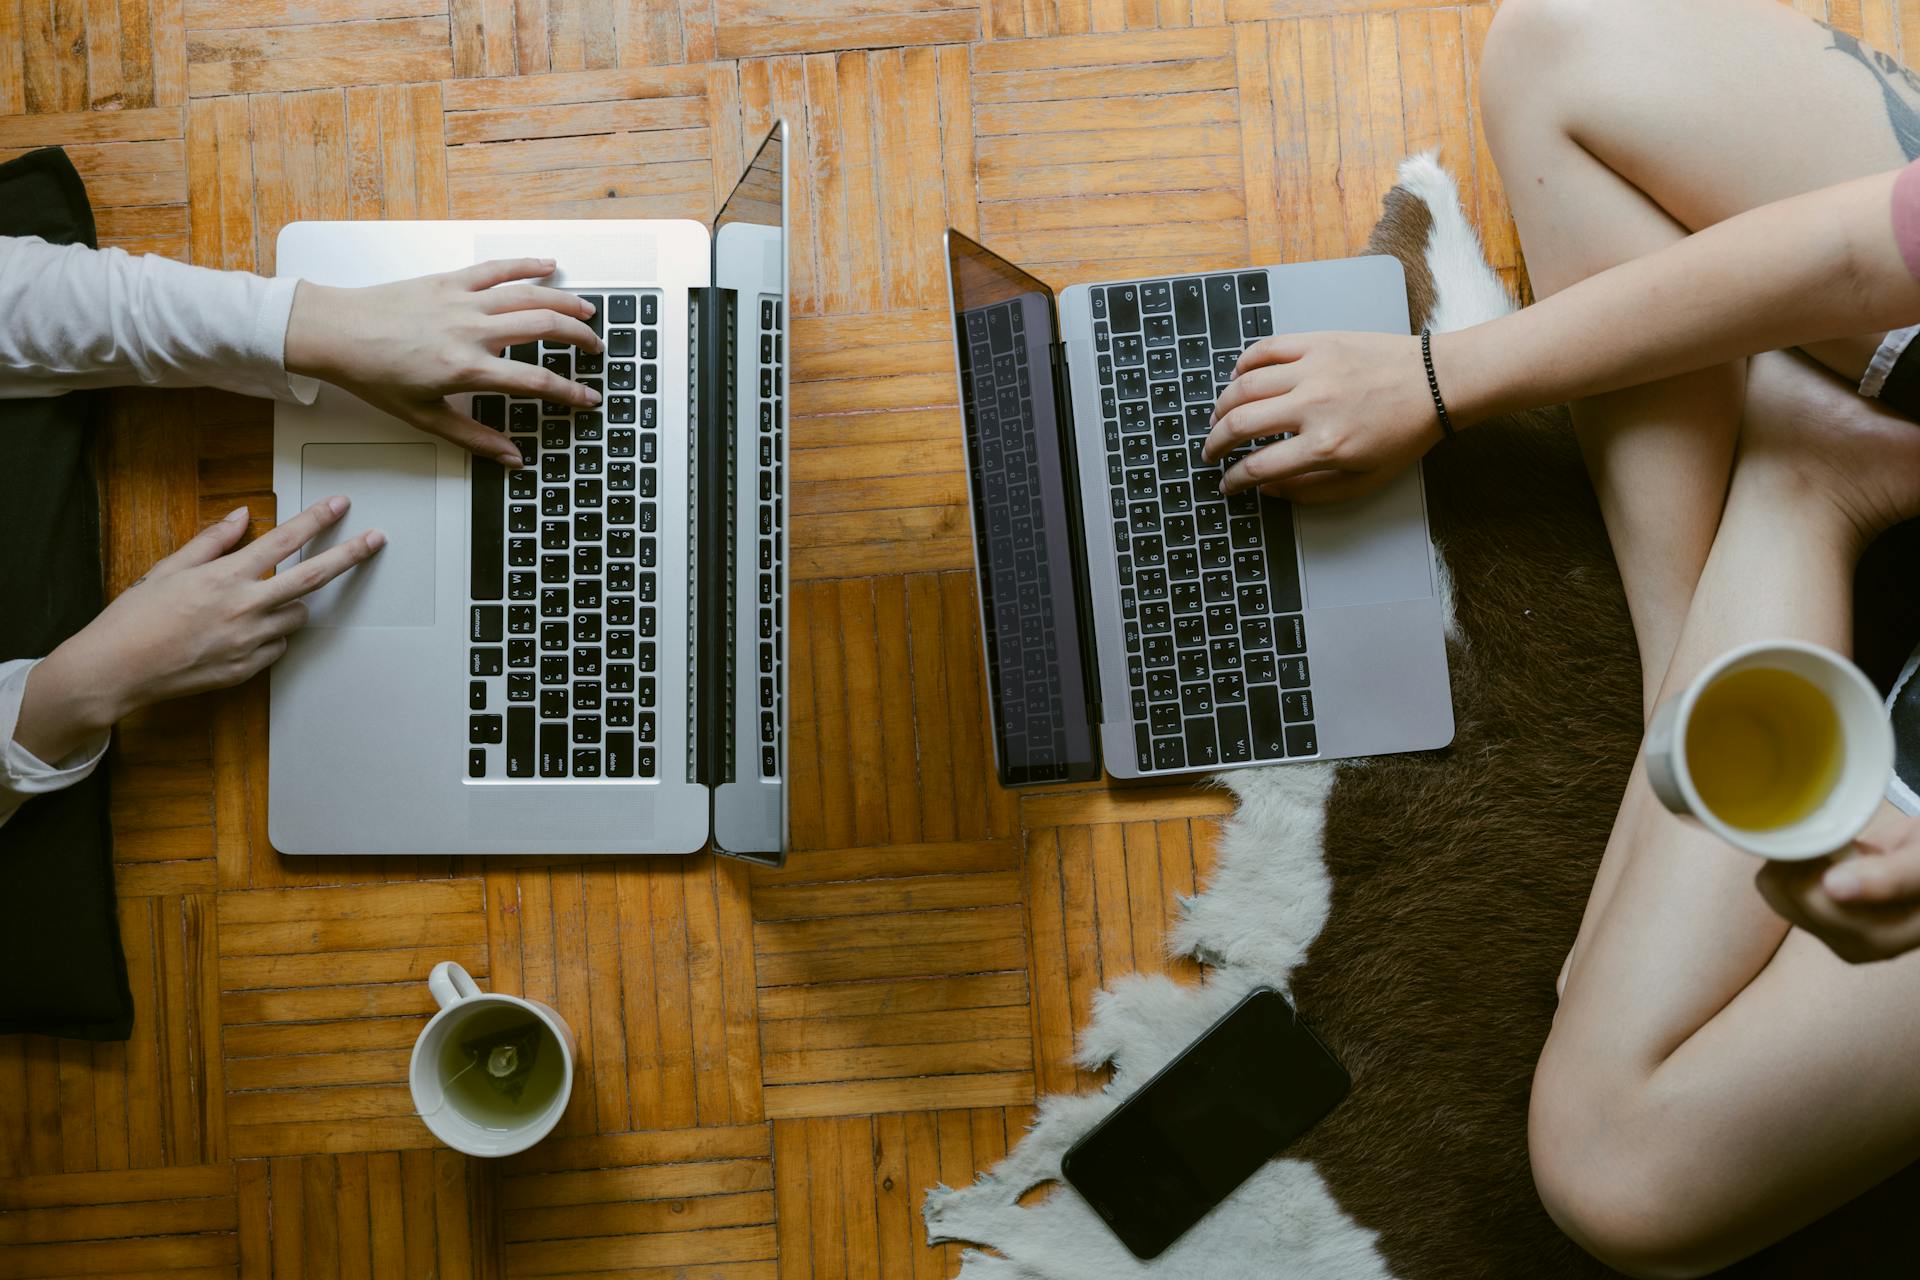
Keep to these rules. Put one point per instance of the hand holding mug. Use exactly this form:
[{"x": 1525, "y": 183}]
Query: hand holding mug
[{"x": 1865, "y": 905}]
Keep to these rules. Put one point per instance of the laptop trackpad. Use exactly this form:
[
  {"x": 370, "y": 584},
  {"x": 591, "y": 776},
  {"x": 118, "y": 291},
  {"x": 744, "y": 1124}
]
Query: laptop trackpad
[
  {"x": 1372, "y": 550},
  {"x": 392, "y": 488}
]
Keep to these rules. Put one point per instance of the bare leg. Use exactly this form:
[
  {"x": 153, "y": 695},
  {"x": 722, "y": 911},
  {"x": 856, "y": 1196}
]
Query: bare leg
[
  {"x": 1619, "y": 127},
  {"x": 1714, "y": 1081}
]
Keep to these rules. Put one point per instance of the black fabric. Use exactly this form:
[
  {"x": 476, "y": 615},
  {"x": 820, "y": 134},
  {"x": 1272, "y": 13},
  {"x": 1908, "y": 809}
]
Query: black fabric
[
  {"x": 1901, "y": 391},
  {"x": 62, "y": 971}
]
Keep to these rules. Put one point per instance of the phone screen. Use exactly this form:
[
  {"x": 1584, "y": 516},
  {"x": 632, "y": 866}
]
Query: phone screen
[{"x": 1258, "y": 1079}]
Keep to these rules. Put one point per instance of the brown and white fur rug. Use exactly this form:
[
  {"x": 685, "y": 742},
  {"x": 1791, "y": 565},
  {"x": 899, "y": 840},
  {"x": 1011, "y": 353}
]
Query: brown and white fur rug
[{"x": 1416, "y": 908}]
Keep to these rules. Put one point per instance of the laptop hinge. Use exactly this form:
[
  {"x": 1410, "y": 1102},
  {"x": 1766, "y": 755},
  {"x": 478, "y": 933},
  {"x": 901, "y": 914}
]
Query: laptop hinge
[
  {"x": 1076, "y": 531},
  {"x": 710, "y": 642}
]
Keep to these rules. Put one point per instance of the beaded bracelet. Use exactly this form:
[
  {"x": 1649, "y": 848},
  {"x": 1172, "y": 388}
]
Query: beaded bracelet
[{"x": 1433, "y": 383}]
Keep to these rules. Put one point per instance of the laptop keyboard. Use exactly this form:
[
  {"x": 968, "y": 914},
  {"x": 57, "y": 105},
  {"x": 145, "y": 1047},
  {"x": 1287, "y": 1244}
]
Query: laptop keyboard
[
  {"x": 769, "y": 601},
  {"x": 1209, "y": 585},
  {"x": 564, "y": 615},
  {"x": 1017, "y": 593}
]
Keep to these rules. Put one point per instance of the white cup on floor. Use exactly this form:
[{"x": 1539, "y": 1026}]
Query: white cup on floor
[
  {"x": 467, "y": 1112},
  {"x": 1780, "y": 747}
]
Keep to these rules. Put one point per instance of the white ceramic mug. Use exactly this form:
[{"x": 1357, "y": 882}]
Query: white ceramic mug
[
  {"x": 1866, "y": 747},
  {"x": 459, "y": 999}
]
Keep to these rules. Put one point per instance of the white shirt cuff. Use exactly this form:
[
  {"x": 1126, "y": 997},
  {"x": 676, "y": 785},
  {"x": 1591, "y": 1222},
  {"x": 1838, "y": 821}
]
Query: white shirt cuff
[{"x": 24, "y": 775}]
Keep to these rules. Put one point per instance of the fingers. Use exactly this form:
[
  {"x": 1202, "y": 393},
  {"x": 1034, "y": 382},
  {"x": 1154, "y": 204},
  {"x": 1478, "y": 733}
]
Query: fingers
[
  {"x": 485, "y": 275},
  {"x": 1875, "y": 878},
  {"x": 317, "y": 571},
  {"x": 533, "y": 297},
  {"x": 1283, "y": 349},
  {"x": 262, "y": 658},
  {"x": 1256, "y": 384},
  {"x": 283, "y": 620},
  {"x": 275, "y": 545},
  {"x": 206, "y": 546},
  {"x": 533, "y": 380},
  {"x": 438, "y": 418},
  {"x": 1249, "y": 421},
  {"x": 1281, "y": 460},
  {"x": 551, "y": 326}
]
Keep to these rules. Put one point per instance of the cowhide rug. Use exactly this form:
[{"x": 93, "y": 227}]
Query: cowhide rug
[{"x": 1417, "y": 908}]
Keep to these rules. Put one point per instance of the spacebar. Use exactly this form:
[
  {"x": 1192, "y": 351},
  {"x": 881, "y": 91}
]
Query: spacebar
[
  {"x": 489, "y": 497},
  {"x": 1283, "y": 566}
]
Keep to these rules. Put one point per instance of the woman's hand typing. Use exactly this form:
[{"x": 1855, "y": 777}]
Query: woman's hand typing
[{"x": 405, "y": 347}]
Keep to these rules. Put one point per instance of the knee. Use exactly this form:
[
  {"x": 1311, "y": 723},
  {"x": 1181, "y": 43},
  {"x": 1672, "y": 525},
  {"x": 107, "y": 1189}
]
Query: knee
[
  {"x": 1523, "y": 69},
  {"x": 1613, "y": 1195}
]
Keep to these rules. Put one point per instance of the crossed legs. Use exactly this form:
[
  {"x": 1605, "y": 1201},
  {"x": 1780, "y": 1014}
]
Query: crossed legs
[{"x": 1713, "y": 1080}]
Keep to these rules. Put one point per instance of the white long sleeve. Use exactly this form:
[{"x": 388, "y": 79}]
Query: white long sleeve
[
  {"x": 24, "y": 775},
  {"x": 74, "y": 317}
]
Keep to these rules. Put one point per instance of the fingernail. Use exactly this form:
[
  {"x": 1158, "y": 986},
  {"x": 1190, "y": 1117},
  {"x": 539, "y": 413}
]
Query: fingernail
[
  {"x": 337, "y": 503},
  {"x": 376, "y": 540},
  {"x": 1223, "y": 485},
  {"x": 1842, "y": 882},
  {"x": 510, "y": 459},
  {"x": 235, "y": 516}
]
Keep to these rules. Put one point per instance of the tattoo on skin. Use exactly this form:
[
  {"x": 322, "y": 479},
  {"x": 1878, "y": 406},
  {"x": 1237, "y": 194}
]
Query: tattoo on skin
[{"x": 1901, "y": 112}]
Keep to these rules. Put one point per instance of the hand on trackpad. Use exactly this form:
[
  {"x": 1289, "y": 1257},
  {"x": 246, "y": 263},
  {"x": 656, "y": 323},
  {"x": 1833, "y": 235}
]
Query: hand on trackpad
[{"x": 392, "y": 488}]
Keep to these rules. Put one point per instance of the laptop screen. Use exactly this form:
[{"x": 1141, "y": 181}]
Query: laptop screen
[{"x": 1004, "y": 334}]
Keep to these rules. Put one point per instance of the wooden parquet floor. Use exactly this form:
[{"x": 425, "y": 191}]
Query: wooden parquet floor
[{"x": 774, "y": 1064}]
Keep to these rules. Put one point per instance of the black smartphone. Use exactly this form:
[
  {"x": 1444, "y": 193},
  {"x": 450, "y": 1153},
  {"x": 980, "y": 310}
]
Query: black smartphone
[{"x": 1258, "y": 1079}]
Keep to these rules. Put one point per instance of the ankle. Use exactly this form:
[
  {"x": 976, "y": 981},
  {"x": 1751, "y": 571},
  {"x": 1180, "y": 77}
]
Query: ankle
[{"x": 1788, "y": 490}]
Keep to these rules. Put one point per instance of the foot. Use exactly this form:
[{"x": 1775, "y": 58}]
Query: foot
[{"x": 1807, "y": 431}]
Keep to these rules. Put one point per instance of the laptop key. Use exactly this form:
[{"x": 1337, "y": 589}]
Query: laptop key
[
  {"x": 484, "y": 729},
  {"x": 553, "y": 749},
  {"x": 1302, "y": 740},
  {"x": 520, "y": 759},
  {"x": 1202, "y": 747},
  {"x": 476, "y": 762},
  {"x": 1293, "y": 674},
  {"x": 1223, "y": 313},
  {"x": 1168, "y": 754},
  {"x": 484, "y": 662},
  {"x": 586, "y": 763},
  {"x": 477, "y": 696},
  {"x": 1236, "y": 735},
  {"x": 1269, "y": 740},
  {"x": 488, "y": 533},
  {"x": 620, "y": 754},
  {"x": 1297, "y": 706}
]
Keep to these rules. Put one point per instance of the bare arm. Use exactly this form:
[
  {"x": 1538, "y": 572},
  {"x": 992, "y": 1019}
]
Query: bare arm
[{"x": 1815, "y": 267}]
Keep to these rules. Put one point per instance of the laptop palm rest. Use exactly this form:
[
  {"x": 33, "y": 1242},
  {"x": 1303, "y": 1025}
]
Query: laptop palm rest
[
  {"x": 392, "y": 488},
  {"x": 1372, "y": 550}
]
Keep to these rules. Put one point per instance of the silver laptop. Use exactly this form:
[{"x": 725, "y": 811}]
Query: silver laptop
[
  {"x": 1129, "y": 611},
  {"x": 587, "y": 654}
]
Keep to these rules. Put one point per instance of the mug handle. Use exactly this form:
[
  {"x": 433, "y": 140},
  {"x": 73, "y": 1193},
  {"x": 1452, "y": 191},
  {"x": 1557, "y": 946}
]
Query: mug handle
[{"x": 450, "y": 984}]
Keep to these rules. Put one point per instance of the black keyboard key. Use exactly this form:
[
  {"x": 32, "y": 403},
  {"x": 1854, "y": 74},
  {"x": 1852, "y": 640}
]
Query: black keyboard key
[
  {"x": 553, "y": 703},
  {"x": 553, "y": 749},
  {"x": 1123, "y": 308},
  {"x": 1253, "y": 287},
  {"x": 477, "y": 696},
  {"x": 486, "y": 624},
  {"x": 1223, "y": 313},
  {"x": 484, "y": 662},
  {"x": 519, "y": 688},
  {"x": 488, "y": 489},
  {"x": 1302, "y": 740},
  {"x": 1269, "y": 740},
  {"x": 476, "y": 762},
  {"x": 520, "y": 759},
  {"x": 1190, "y": 306},
  {"x": 586, "y": 763},
  {"x": 1297, "y": 706},
  {"x": 1236, "y": 735},
  {"x": 1196, "y": 700},
  {"x": 490, "y": 411},
  {"x": 525, "y": 352},
  {"x": 650, "y": 309},
  {"x": 620, "y": 308},
  {"x": 620, "y": 754},
  {"x": 1290, "y": 635},
  {"x": 484, "y": 729},
  {"x": 1293, "y": 674},
  {"x": 1202, "y": 747},
  {"x": 1168, "y": 754}
]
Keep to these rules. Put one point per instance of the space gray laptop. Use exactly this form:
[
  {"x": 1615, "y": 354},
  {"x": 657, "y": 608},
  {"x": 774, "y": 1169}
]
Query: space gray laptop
[
  {"x": 1129, "y": 611},
  {"x": 587, "y": 654}
]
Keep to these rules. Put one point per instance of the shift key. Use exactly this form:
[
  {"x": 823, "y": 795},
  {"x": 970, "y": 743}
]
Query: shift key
[
  {"x": 520, "y": 759},
  {"x": 1269, "y": 730}
]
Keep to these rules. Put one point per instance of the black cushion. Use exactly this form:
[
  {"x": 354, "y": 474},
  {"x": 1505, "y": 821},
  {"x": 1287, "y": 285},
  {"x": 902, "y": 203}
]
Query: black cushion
[{"x": 62, "y": 971}]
